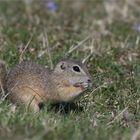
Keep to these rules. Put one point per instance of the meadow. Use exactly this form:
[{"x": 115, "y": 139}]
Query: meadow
[{"x": 103, "y": 33}]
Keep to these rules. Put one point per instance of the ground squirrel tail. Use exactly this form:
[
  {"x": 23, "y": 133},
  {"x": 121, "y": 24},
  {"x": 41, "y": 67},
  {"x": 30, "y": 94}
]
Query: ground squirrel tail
[{"x": 2, "y": 76}]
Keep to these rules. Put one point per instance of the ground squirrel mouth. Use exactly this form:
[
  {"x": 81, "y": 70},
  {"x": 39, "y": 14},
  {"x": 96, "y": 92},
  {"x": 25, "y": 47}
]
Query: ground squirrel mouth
[{"x": 83, "y": 85}]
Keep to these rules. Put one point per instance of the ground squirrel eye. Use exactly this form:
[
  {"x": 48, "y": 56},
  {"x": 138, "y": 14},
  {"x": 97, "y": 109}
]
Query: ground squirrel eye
[{"x": 76, "y": 68}]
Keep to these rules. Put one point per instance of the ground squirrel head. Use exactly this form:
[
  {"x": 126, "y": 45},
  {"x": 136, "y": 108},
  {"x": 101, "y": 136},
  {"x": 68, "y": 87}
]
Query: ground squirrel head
[{"x": 75, "y": 76}]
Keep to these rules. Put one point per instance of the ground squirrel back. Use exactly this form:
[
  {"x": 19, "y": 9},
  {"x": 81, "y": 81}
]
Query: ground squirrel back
[{"x": 30, "y": 84}]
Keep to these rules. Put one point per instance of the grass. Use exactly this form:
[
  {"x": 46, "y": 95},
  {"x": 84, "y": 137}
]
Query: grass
[{"x": 112, "y": 52}]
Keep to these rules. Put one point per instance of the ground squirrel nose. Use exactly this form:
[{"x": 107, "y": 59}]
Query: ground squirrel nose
[{"x": 89, "y": 80}]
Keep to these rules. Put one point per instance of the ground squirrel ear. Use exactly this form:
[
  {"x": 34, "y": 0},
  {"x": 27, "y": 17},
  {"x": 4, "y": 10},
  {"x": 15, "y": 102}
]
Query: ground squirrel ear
[
  {"x": 63, "y": 66},
  {"x": 60, "y": 66}
]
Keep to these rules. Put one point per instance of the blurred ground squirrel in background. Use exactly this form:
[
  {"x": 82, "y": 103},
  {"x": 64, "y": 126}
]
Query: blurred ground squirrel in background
[{"x": 31, "y": 84}]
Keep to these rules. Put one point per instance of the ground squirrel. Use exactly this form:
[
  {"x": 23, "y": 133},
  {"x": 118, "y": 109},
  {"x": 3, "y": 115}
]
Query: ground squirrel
[{"x": 30, "y": 84}]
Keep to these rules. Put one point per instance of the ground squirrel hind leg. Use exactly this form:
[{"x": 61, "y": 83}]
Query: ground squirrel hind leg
[
  {"x": 26, "y": 97},
  {"x": 30, "y": 103}
]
